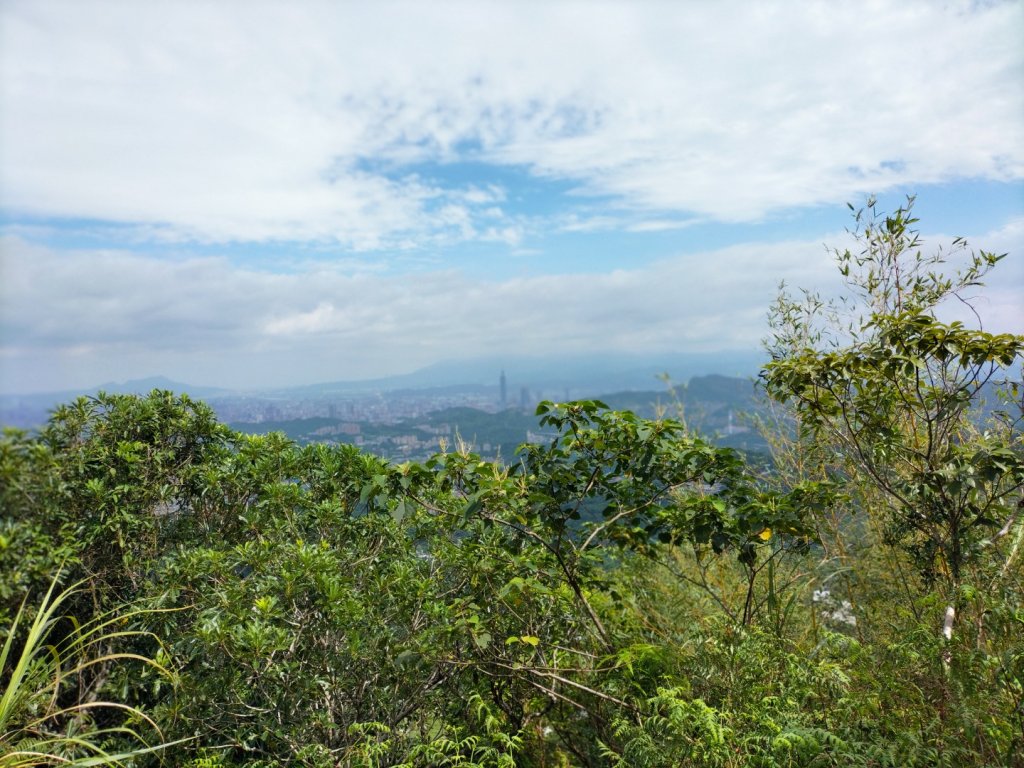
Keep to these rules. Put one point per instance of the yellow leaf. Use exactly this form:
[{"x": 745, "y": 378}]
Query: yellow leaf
[
  {"x": 534, "y": 641},
  {"x": 765, "y": 534}
]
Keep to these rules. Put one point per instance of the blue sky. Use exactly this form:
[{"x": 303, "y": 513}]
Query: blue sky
[{"x": 249, "y": 194}]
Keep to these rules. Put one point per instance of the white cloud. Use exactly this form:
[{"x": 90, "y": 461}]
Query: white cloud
[
  {"x": 82, "y": 317},
  {"x": 271, "y": 121},
  {"x": 381, "y": 134},
  {"x": 999, "y": 303},
  {"x": 90, "y": 316}
]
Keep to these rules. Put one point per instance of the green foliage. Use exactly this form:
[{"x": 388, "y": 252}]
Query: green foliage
[
  {"x": 894, "y": 398},
  {"x": 49, "y": 711},
  {"x": 624, "y": 594},
  {"x": 32, "y": 547}
]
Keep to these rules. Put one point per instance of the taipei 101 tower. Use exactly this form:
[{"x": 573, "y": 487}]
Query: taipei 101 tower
[{"x": 503, "y": 385}]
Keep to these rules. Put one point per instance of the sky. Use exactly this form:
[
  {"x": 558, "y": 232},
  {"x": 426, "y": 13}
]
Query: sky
[{"x": 254, "y": 194}]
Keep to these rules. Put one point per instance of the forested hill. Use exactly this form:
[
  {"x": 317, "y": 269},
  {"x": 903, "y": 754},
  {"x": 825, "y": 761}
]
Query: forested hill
[{"x": 719, "y": 407}]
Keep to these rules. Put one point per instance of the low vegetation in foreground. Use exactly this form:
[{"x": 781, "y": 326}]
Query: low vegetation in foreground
[{"x": 625, "y": 594}]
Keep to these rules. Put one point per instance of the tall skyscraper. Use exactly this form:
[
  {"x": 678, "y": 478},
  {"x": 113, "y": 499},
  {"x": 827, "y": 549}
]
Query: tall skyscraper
[{"x": 503, "y": 385}]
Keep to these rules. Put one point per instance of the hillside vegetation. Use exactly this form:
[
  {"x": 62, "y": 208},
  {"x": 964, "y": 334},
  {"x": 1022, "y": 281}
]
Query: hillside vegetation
[
  {"x": 622, "y": 593},
  {"x": 718, "y": 407}
]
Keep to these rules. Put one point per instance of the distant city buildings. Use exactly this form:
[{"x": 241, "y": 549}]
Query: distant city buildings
[{"x": 412, "y": 424}]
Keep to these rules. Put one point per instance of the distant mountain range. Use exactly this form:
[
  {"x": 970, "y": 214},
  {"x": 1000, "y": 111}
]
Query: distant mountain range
[
  {"x": 582, "y": 376},
  {"x": 590, "y": 372}
]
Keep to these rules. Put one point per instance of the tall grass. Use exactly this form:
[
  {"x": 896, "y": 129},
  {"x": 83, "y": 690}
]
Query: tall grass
[{"x": 37, "y": 724}]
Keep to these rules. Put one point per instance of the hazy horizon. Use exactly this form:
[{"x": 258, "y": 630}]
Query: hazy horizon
[
  {"x": 575, "y": 371},
  {"x": 251, "y": 195}
]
